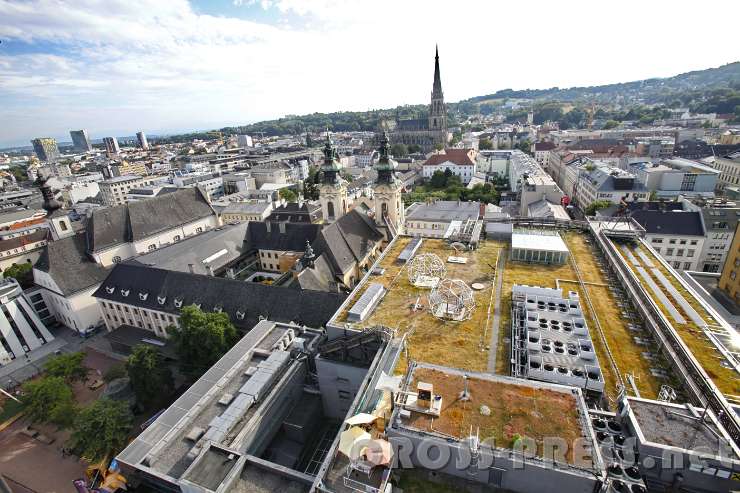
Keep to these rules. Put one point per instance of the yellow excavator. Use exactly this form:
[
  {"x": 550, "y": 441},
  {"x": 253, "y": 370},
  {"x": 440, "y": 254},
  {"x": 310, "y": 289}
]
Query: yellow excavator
[{"x": 106, "y": 475}]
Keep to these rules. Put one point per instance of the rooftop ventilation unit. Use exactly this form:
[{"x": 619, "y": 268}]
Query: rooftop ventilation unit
[{"x": 367, "y": 303}]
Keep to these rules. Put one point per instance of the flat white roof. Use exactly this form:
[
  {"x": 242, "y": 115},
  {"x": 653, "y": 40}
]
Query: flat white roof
[{"x": 542, "y": 242}]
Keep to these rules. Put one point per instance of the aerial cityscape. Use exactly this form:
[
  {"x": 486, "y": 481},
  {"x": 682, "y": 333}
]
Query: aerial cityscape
[{"x": 243, "y": 250}]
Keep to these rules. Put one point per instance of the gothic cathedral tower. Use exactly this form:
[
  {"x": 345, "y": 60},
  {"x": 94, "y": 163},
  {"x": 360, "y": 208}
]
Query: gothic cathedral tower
[
  {"x": 333, "y": 190},
  {"x": 389, "y": 210},
  {"x": 437, "y": 110}
]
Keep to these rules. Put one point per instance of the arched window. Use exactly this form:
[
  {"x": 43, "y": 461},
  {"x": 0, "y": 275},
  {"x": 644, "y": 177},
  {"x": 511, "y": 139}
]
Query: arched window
[
  {"x": 330, "y": 209},
  {"x": 384, "y": 210}
]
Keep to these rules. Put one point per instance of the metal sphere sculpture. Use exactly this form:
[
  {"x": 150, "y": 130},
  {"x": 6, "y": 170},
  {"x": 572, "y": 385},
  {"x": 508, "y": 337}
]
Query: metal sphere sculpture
[
  {"x": 426, "y": 270},
  {"x": 452, "y": 299}
]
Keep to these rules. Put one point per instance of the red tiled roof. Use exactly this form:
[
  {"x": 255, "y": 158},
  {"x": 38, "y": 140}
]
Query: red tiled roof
[
  {"x": 544, "y": 146},
  {"x": 460, "y": 157}
]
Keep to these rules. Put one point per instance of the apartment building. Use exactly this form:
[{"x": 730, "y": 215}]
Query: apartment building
[
  {"x": 439, "y": 219},
  {"x": 211, "y": 184},
  {"x": 114, "y": 190},
  {"x": 729, "y": 170},
  {"x": 246, "y": 211},
  {"x": 729, "y": 281}
]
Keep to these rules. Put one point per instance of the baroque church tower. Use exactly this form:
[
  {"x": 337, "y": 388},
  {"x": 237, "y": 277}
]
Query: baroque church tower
[
  {"x": 389, "y": 210},
  {"x": 437, "y": 110},
  {"x": 333, "y": 190}
]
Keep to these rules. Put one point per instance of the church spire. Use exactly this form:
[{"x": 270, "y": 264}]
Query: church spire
[
  {"x": 385, "y": 165},
  {"x": 437, "y": 86},
  {"x": 329, "y": 166}
]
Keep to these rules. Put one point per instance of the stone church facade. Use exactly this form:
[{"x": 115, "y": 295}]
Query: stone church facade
[{"x": 428, "y": 132}]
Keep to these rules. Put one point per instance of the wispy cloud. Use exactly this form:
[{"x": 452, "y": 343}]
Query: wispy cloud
[{"x": 121, "y": 65}]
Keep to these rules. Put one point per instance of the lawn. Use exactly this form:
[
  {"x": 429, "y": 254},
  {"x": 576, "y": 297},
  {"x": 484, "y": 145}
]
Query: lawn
[{"x": 9, "y": 408}]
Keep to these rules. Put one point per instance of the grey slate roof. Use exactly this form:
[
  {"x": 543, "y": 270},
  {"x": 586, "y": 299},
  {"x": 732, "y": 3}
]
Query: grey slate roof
[
  {"x": 292, "y": 239},
  {"x": 131, "y": 222},
  {"x": 347, "y": 240},
  {"x": 129, "y": 281},
  {"x": 670, "y": 222},
  {"x": 67, "y": 263},
  {"x": 195, "y": 249}
]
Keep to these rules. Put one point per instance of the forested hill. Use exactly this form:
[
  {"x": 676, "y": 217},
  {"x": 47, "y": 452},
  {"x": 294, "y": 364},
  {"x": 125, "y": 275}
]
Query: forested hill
[
  {"x": 712, "y": 90},
  {"x": 646, "y": 91}
]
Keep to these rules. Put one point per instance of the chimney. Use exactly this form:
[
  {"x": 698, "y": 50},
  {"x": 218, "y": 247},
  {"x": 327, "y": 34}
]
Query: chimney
[
  {"x": 281, "y": 225},
  {"x": 268, "y": 225},
  {"x": 191, "y": 268}
]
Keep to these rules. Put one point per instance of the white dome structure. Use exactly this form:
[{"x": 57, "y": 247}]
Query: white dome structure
[
  {"x": 426, "y": 270},
  {"x": 452, "y": 299}
]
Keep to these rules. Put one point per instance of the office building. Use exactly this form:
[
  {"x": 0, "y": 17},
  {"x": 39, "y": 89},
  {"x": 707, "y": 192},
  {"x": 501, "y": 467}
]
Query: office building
[
  {"x": 111, "y": 145},
  {"x": 80, "y": 140},
  {"x": 22, "y": 330},
  {"x": 141, "y": 138},
  {"x": 46, "y": 149}
]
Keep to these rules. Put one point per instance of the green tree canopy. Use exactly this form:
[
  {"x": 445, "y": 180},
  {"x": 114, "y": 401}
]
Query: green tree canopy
[
  {"x": 150, "y": 377},
  {"x": 414, "y": 148},
  {"x": 524, "y": 146},
  {"x": 68, "y": 366},
  {"x": 399, "y": 150},
  {"x": 288, "y": 195},
  {"x": 49, "y": 400},
  {"x": 438, "y": 180},
  {"x": 101, "y": 429},
  {"x": 597, "y": 205},
  {"x": 485, "y": 144},
  {"x": 610, "y": 124},
  {"x": 23, "y": 273},
  {"x": 202, "y": 339}
]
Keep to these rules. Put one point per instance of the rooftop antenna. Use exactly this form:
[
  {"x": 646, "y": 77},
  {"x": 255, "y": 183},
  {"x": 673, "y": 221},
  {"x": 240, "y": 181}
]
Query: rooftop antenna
[{"x": 465, "y": 394}]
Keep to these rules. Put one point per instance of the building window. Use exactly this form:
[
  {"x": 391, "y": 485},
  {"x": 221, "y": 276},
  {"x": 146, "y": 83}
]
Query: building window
[
  {"x": 669, "y": 251},
  {"x": 116, "y": 259},
  {"x": 689, "y": 253},
  {"x": 344, "y": 395},
  {"x": 198, "y": 229},
  {"x": 152, "y": 248},
  {"x": 687, "y": 265},
  {"x": 672, "y": 242},
  {"x": 176, "y": 238},
  {"x": 733, "y": 275}
]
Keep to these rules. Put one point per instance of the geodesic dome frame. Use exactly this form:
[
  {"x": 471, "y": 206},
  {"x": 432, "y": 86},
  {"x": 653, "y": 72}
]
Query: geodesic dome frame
[
  {"x": 452, "y": 299},
  {"x": 426, "y": 270}
]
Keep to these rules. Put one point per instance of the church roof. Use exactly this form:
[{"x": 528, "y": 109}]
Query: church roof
[
  {"x": 460, "y": 157},
  {"x": 112, "y": 226}
]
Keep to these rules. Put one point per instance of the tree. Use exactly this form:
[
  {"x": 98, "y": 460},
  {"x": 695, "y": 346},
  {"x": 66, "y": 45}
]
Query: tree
[
  {"x": 114, "y": 372},
  {"x": 310, "y": 184},
  {"x": 202, "y": 339},
  {"x": 150, "y": 377},
  {"x": 485, "y": 144},
  {"x": 414, "y": 148},
  {"x": 524, "y": 146},
  {"x": 438, "y": 147},
  {"x": 101, "y": 429},
  {"x": 49, "y": 400},
  {"x": 288, "y": 195},
  {"x": 68, "y": 366},
  {"x": 23, "y": 273},
  {"x": 399, "y": 150},
  {"x": 438, "y": 180},
  {"x": 597, "y": 205},
  {"x": 610, "y": 124}
]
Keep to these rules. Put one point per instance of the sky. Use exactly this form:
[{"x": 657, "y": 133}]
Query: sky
[{"x": 115, "y": 67}]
